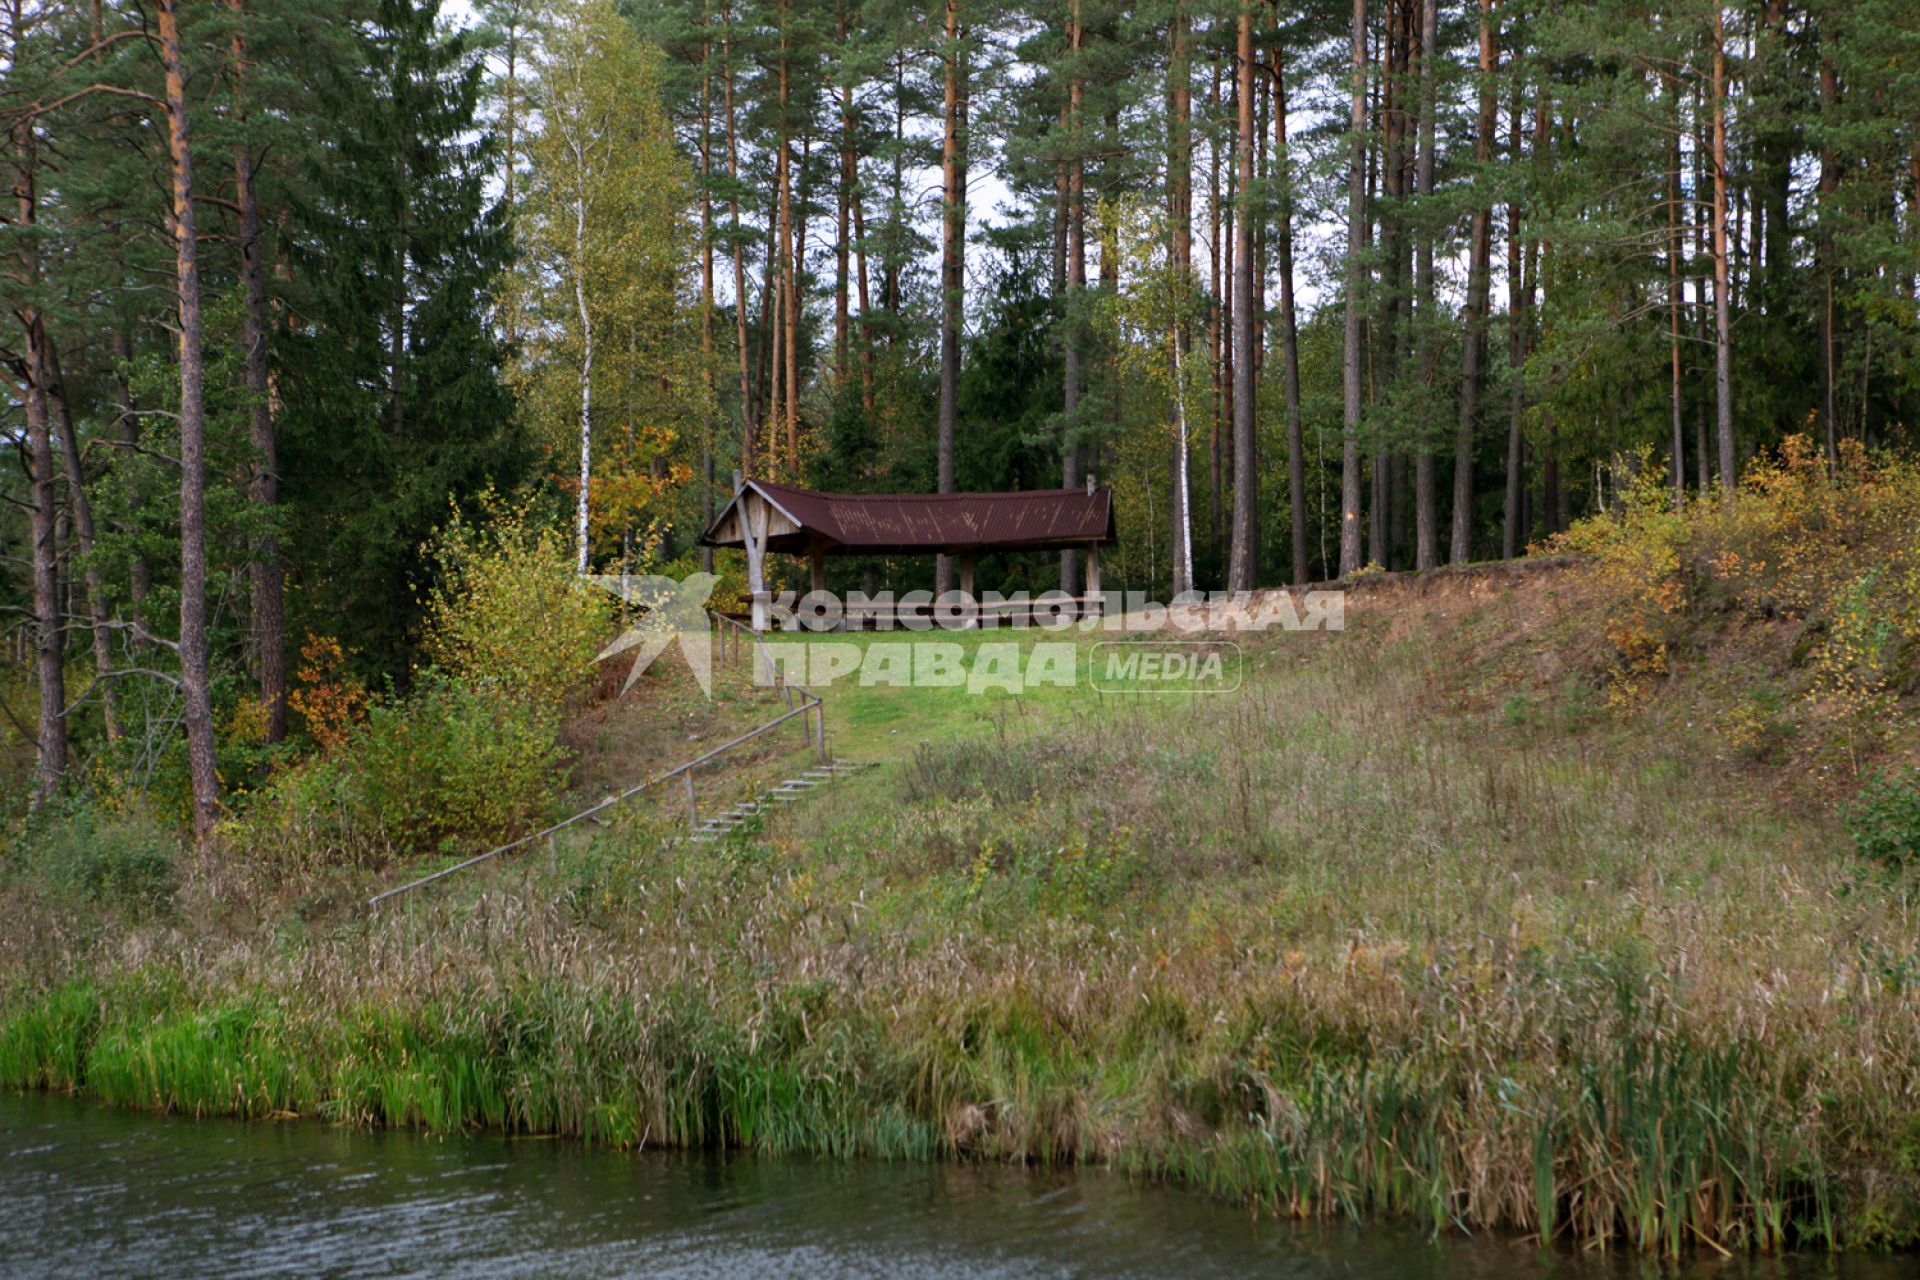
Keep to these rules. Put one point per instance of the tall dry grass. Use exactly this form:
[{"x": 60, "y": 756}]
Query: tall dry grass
[{"x": 1337, "y": 946}]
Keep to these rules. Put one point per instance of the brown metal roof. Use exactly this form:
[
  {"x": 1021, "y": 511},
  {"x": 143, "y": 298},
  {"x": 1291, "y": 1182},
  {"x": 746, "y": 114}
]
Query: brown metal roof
[{"x": 904, "y": 523}]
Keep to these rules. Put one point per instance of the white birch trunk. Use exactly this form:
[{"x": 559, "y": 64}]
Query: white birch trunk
[{"x": 586, "y": 350}]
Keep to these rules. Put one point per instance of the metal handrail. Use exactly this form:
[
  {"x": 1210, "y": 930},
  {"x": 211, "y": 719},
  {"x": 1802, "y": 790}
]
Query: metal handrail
[{"x": 809, "y": 701}]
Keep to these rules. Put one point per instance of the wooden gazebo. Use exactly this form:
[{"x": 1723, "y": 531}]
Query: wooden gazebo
[{"x": 763, "y": 516}]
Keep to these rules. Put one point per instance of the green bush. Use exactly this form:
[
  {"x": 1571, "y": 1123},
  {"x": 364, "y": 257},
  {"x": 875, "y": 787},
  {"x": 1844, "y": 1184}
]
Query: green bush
[
  {"x": 1885, "y": 819},
  {"x": 120, "y": 860},
  {"x": 448, "y": 768},
  {"x": 454, "y": 765}
]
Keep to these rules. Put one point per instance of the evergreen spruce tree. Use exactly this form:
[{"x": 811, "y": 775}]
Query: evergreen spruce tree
[{"x": 396, "y": 407}]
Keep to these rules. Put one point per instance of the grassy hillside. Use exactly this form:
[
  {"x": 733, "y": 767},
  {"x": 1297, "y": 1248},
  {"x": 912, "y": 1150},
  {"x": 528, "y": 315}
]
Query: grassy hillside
[{"x": 1472, "y": 913}]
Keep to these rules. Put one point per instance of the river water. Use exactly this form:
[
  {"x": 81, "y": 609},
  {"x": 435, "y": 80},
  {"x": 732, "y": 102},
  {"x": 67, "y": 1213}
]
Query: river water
[{"x": 90, "y": 1192}]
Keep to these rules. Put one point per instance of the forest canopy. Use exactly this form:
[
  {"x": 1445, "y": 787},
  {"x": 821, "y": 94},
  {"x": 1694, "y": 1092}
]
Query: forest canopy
[{"x": 291, "y": 285}]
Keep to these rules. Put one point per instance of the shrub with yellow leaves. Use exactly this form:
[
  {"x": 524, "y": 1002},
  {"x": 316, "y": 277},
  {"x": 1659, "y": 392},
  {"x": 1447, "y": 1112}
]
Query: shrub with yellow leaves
[
  {"x": 509, "y": 613},
  {"x": 1835, "y": 547},
  {"x": 1638, "y": 568}
]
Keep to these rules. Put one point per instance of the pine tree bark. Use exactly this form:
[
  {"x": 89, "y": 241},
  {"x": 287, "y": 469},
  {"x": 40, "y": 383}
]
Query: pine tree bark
[
  {"x": 1240, "y": 540},
  {"x": 843, "y": 212},
  {"x": 1547, "y": 513},
  {"x": 796, "y": 298},
  {"x": 1180, "y": 254},
  {"x": 268, "y": 593},
  {"x": 1825, "y": 267},
  {"x": 788, "y": 314},
  {"x": 953, "y": 237},
  {"x": 81, "y": 505},
  {"x": 1076, "y": 283},
  {"x": 195, "y": 690},
  {"x": 1676, "y": 389},
  {"x": 1703, "y": 289},
  {"x": 1426, "y": 512},
  {"x": 140, "y": 577},
  {"x": 709, "y": 374},
  {"x": 1217, "y": 320},
  {"x": 747, "y": 432},
  {"x": 1519, "y": 318},
  {"x": 50, "y": 741},
  {"x": 866, "y": 307},
  {"x": 1289, "y": 323},
  {"x": 1479, "y": 273},
  {"x": 1220, "y": 444},
  {"x": 1356, "y": 302},
  {"x": 510, "y": 157},
  {"x": 1722, "y": 311}
]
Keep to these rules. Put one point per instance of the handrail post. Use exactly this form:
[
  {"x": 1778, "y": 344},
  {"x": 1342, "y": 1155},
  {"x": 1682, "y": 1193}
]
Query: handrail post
[{"x": 693, "y": 806}]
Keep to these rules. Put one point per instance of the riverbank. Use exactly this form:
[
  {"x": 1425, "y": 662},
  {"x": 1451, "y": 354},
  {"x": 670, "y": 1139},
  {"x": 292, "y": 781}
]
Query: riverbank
[{"x": 1420, "y": 924}]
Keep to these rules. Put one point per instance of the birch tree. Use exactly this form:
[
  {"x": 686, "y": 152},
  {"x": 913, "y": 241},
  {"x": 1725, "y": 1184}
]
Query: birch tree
[{"x": 605, "y": 236}]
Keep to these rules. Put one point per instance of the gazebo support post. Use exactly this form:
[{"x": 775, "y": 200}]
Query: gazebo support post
[
  {"x": 817, "y": 569},
  {"x": 1096, "y": 605},
  {"x": 753, "y": 531},
  {"x": 966, "y": 589}
]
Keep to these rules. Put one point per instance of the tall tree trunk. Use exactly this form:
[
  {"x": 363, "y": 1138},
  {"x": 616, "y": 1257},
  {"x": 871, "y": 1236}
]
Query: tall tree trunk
[
  {"x": 796, "y": 298},
  {"x": 50, "y": 742},
  {"x": 1703, "y": 287},
  {"x": 1426, "y": 511},
  {"x": 1383, "y": 346},
  {"x": 509, "y": 161},
  {"x": 890, "y": 272},
  {"x": 843, "y": 209},
  {"x": 1246, "y": 479},
  {"x": 1220, "y": 444},
  {"x": 1180, "y": 253},
  {"x": 1827, "y": 214},
  {"x": 1519, "y": 317},
  {"x": 739, "y": 262},
  {"x": 1076, "y": 283},
  {"x": 583, "y": 509},
  {"x": 1289, "y": 322},
  {"x": 953, "y": 237},
  {"x": 60, "y": 402},
  {"x": 140, "y": 577},
  {"x": 709, "y": 372},
  {"x": 773, "y": 331},
  {"x": 263, "y": 483},
  {"x": 195, "y": 690},
  {"x": 1548, "y": 512},
  {"x": 866, "y": 307},
  {"x": 1355, "y": 301},
  {"x": 1216, "y": 319},
  {"x": 1479, "y": 273},
  {"x": 1676, "y": 391},
  {"x": 789, "y": 299},
  {"x": 1722, "y": 312},
  {"x": 1256, "y": 206}
]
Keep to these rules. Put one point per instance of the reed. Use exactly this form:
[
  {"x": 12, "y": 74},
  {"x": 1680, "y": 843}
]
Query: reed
[{"x": 1336, "y": 948}]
